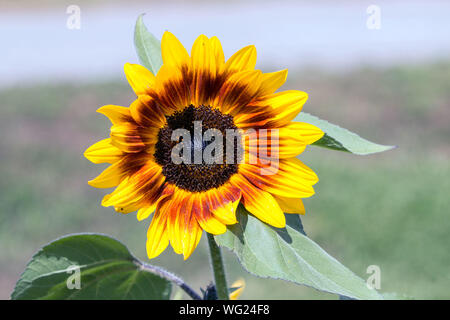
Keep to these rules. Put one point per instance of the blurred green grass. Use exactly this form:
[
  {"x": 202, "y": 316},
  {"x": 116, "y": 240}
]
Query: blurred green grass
[{"x": 388, "y": 209}]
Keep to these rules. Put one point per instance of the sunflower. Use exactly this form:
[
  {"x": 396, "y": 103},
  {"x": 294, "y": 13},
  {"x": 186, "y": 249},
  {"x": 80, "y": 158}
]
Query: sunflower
[{"x": 187, "y": 198}]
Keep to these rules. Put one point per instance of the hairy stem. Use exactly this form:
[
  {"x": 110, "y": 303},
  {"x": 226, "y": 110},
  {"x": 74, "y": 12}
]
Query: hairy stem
[
  {"x": 218, "y": 269},
  {"x": 170, "y": 277}
]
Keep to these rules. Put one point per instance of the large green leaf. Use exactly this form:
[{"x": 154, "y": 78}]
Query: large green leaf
[
  {"x": 147, "y": 46},
  {"x": 341, "y": 139},
  {"x": 107, "y": 269},
  {"x": 290, "y": 255}
]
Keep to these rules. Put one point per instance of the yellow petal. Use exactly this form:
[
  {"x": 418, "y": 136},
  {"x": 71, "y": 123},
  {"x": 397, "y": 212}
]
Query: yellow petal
[
  {"x": 218, "y": 52},
  {"x": 212, "y": 225},
  {"x": 103, "y": 151},
  {"x": 244, "y": 59},
  {"x": 176, "y": 219},
  {"x": 129, "y": 207},
  {"x": 109, "y": 178},
  {"x": 173, "y": 52},
  {"x": 290, "y": 205},
  {"x": 155, "y": 248},
  {"x": 140, "y": 78},
  {"x": 123, "y": 195},
  {"x": 301, "y": 132},
  {"x": 240, "y": 285},
  {"x": 193, "y": 236},
  {"x": 202, "y": 56},
  {"x": 293, "y": 139},
  {"x": 272, "y": 81},
  {"x": 116, "y": 114},
  {"x": 227, "y": 213},
  {"x": 132, "y": 207},
  {"x": 157, "y": 235},
  {"x": 144, "y": 213}
]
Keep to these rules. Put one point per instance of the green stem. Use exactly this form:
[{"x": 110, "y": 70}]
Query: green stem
[
  {"x": 218, "y": 268},
  {"x": 171, "y": 277}
]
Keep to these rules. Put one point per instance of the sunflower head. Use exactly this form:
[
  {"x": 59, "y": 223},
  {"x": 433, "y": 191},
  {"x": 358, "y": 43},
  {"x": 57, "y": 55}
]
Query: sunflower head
[{"x": 204, "y": 135}]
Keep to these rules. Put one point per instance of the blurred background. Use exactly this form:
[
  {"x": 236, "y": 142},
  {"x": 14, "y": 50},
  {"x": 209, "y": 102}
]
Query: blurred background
[{"x": 386, "y": 79}]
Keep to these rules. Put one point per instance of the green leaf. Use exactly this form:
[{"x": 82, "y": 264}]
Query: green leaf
[
  {"x": 148, "y": 48},
  {"x": 289, "y": 255},
  {"x": 107, "y": 271},
  {"x": 341, "y": 139}
]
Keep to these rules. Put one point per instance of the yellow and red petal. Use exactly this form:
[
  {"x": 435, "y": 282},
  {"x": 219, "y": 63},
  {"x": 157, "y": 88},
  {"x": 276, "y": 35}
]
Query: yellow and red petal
[
  {"x": 281, "y": 143},
  {"x": 222, "y": 202},
  {"x": 205, "y": 217},
  {"x": 272, "y": 111},
  {"x": 227, "y": 212},
  {"x": 237, "y": 91},
  {"x": 194, "y": 237},
  {"x": 147, "y": 113},
  {"x": 145, "y": 212},
  {"x": 146, "y": 185},
  {"x": 203, "y": 66},
  {"x": 172, "y": 89},
  {"x": 103, "y": 151},
  {"x": 127, "y": 165},
  {"x": 259, "y": 202},
  {"x": 286, "y": 104},
  {"x": 183, "y": 230},
  {"x": 287, "y": 178},
  {"x": 216, "y": 208},
  {"x": 127, "y": 137},
  {"x": 147, "y": 207},
  {"x": 191, "y": 230}
]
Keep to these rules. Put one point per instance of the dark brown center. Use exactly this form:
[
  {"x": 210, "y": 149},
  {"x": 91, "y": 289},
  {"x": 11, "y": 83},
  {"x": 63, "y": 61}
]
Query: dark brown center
[{"x": 199, "y": 173}]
